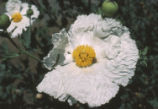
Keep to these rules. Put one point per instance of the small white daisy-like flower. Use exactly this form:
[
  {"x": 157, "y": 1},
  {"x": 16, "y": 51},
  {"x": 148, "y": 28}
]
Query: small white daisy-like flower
[
  {"x": 96, "y": 56},
  {"x": 17, "y": 11}
]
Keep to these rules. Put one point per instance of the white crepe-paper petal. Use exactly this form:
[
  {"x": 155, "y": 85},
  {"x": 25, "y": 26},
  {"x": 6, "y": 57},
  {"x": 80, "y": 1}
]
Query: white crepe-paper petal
[
  {"x": 109, "y": 27},
  {"x": 116, "y": 55},
  {"x": 13, "y": 6},
  {"x": 85, "y": 23},
  {"x": 24, "y": 8},
  {"x": 90, "y": 86},
  {"x": 17, "y": 28},
  {"x": 113, "y": 42},
  {"x": 35, "y": 13}
]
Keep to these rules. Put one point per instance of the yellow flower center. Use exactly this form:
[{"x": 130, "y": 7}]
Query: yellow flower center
[
  {"x": 84, "y": 55},
  {"x": 16, "y": 17}
]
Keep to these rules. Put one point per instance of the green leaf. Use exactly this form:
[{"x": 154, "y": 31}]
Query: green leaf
[
  {"x": 26, "y": 38},
  {"x": 154, "y": 103},
  {"x": 145, "y": 51}
]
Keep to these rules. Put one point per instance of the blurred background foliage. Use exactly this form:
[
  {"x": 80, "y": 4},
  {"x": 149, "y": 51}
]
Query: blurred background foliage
[{"x": 19, "y": 74}]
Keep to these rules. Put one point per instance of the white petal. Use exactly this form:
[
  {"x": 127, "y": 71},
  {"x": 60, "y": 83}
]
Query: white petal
[
  {"x": 112, "y": 46},
  {"x": 35, "y": 12},
  {"x": 122, "y": 67},
  {"x": 108, "y": 27},
  {"x": 24, "y": 8},
  {"x": 17, "y": 28},
  {"x": 68, "y": 55},
  {"x": 52, "y": 84},
  {"x": 85, "y": 23},
  {"x": 13, "y": 6},
  {"x": 89, "y": 85}
]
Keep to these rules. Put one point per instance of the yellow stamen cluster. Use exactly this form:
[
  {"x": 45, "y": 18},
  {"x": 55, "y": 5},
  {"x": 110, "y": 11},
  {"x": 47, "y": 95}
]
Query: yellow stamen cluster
[
  {"x": 84, "y": 55},
  {"x": 16, "y": 17}
]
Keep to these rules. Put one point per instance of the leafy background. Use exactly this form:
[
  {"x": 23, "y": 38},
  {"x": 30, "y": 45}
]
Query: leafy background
[{"x": 19, "y": 74}]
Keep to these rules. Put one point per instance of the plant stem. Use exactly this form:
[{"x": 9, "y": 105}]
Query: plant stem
[
  {"x": 8, "y": 57},
  {"x": 23, "y": 51},
  {"x": 89, "y": 5},
  {"x": 11, "y": 40},
  {"x": 30, "y": 55},
  {"x": 30, "y": 28}
]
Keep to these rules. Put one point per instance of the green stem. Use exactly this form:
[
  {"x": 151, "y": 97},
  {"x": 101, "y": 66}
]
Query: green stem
[
  {"x": 23, "y": 51},
  {"x": 11, "y": 40},
  {"x": 30, "y": 55},
  {"x": 8, "y": 57},
  {"x": 89, "y": 5},
  {"x": 30, "y": 28}
]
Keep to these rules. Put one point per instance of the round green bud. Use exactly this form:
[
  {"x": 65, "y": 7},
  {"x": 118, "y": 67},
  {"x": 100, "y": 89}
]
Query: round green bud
[
  {"x": 29, "y": 12},
  {"x": 4, "y": 21},
  {"x": 109, "y": 8}
]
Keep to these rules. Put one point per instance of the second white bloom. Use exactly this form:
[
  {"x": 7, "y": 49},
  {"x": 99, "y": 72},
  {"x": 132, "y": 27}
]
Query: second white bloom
[{"x": 17, "y": 11}]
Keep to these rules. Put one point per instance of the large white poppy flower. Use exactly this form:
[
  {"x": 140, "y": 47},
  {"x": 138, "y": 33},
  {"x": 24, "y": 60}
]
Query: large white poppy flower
[
  {"x": 96, "y": 56},
  {"x": 17, "y": 11}
]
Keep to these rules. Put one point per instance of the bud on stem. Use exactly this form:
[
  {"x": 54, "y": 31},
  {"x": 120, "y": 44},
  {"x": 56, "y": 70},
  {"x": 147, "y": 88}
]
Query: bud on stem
[
  {"x": 109, "y": 8},
  {"x": 4, "y": 21}
]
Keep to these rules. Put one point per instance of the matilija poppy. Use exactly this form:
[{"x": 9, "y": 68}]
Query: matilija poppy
[
  {"x": 96, "y": 56},
  {"x": 18, "y": 11}
]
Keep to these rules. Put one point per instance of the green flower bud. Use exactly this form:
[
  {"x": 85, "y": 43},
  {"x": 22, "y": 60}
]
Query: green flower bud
[
  {"x": 109, "y": 8},
  {"x": 4, "y": 21},
  {"x": 29, "y": 12}
]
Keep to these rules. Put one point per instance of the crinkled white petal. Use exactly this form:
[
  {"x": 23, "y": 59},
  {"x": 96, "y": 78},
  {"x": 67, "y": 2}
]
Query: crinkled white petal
[
  {"x": 13, "y": 6},
  {"x": 85, "y": 23},
  {"x": 109, "y": 27},
  {"x": 116, "y": 58},
  {"x": 24, "y": 8},
  {"x": 35, "y": 12},
  {"x": 89, "y": 85},
  {"x": 17, "y": 28},
  {"x": 123, "y": 66},
  {"x": 112, "y": 47},
  {"x": 68, "y": 55}
]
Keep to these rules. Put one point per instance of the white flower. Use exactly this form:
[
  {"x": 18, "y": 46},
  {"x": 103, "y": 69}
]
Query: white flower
[
  {"x": 17, "y": 11},
  {"x": 97, "y": 56}
]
